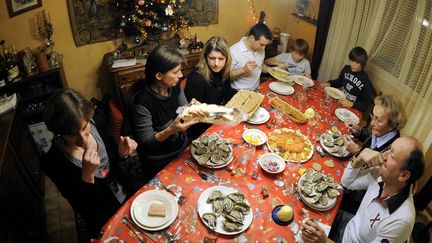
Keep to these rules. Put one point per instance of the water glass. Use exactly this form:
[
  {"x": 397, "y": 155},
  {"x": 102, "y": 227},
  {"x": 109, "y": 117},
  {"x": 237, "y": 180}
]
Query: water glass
[{"x": 248, "y": 152}]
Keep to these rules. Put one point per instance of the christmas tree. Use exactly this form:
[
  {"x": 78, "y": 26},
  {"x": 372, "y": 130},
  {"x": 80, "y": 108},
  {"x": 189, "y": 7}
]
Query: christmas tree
[{"x": 141, "y": 17}]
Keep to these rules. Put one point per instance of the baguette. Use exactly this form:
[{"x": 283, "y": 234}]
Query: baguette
[{"x": 287, "y": 109}]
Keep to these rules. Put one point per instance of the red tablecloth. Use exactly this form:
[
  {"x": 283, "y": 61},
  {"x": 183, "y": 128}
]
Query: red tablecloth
[{"x": 184, "y": 180}]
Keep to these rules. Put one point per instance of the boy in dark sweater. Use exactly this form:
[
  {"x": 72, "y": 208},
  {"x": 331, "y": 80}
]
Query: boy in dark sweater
[{"x": 354, "y": 82}]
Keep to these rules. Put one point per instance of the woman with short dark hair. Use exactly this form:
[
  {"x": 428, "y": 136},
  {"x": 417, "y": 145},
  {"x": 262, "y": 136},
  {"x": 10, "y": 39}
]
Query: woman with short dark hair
[
  {"x": 160, "y": 133},
  {"x": 82, "y": 161}
]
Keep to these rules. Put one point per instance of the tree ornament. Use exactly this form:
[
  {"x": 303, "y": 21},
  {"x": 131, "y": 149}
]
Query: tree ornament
[{"x": 137, "y": 40}]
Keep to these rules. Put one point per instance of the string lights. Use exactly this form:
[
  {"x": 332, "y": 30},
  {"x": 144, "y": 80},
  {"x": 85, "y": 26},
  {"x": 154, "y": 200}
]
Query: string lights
[{"x": 252, "y": 10}]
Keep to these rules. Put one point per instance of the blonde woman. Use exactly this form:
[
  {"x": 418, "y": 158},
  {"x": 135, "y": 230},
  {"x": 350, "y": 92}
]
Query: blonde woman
[{"x": 210, "y": 81}]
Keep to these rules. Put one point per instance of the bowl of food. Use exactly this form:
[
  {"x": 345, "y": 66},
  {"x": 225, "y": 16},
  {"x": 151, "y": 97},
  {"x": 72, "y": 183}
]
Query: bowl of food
[
  {"x": 272, "y": 163},
  {"x": 254, "y": 137}
]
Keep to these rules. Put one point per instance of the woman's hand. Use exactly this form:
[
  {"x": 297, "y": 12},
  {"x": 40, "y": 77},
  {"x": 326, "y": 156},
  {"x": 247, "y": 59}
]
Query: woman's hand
[
  {"x": 311, "y": 232},
  {"x": 90, "y": 162},
  {"x": 351, "y": 146},
  {"x": 194, "y": 101},
  {"x": 126, "y": 146},
  {"x": 346, "y": 103},
  {"x": 179, "y": 125}
]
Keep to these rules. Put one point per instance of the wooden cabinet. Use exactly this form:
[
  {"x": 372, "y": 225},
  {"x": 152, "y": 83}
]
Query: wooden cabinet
[
  {"x": 22, "y": 202},
  {"x": 123, "y": 79}
]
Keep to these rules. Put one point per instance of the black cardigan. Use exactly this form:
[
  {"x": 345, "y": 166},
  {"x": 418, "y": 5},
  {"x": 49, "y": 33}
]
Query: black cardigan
[{"x": 96, "y": 202}]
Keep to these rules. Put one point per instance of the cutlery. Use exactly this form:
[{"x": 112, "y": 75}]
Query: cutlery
[
  {"x": 201, "y": 174},
  {"x": 137, "y": 231},
  {"x": 180, "y": 199}
]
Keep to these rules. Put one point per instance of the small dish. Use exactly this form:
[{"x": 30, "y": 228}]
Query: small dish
[
  {"x": 272, "y": 163},
  {"x": 261, "y": 116},
  {"x": 254, "y": 137}
]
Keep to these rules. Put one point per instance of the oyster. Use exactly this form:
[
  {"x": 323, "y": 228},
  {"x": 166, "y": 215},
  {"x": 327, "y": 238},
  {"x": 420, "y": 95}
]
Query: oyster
[
  {"x": 232, "y": 227},
  {"x": 321, "y": 186},
  {"x": 202, "y": 150},
  {"x": 197, "y": 144},
  {"x": 309, "y": 175},
  {"x": 332, "y": 193},
  {"x": 236, "y": 197},
  {"x": 336, "y": 134},
  {"x": 214, "y": 195},
  {"x": 210, "y": 219},
  {"x": 204, "y": 139},
  {"x": 211, "y": 150},
  {"x": 237, "y": 215},
  {"x": 218, "y": 206},
  {"x": 202, "y": 159},
  {"x": 242, "y": 207},
  {"x": 215, "y": 158},
  {"x": 228, "y": 204},
  {"x": 339, "y": 142},
  {"x": 316, "y": 198},
  {"x": 232, "y": 219},
  {"x": 212, "y": 145},
  {"x": 324, "y": 199},
  {"x": 318, "y": 176}
]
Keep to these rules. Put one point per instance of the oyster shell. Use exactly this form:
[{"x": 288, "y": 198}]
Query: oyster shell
[
  {"x": 228, "y": 204},
  {"x": 232, "y": 227},
  {"x": 339, "y": 142},
  {"x": 332, "y": 193},
  {"x": 324, "y": 199},
  {"x": 336, "y": 134},
  {"x": 236, "y": 197},
  {"x": 232, "y": 219},
  {"x": 316, "y": 198},
  {"x": 204, "y": 139},
  {"x": 214, "y": 195},
  {"x": 237, "y": 215},
  {"x": 218, "y": 206},
  {"x": 202, "y": 150},
  {"x": 321, "y": 186},
  {"x": 215, "y": 158},
  {"x": 212, "y": 145},
  {"x": 318, "y": 176},
  {"x": 210, "y": 219},
  {"x": 202, "y": 159},
  {"x": 242, "y": 207}
]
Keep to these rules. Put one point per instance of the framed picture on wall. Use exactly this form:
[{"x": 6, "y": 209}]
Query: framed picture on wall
[{"x": 16, "y": 7}]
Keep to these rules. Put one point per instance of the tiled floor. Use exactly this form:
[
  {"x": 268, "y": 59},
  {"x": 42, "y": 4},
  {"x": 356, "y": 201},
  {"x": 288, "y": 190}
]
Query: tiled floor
[{"x": 60, "y": 218}]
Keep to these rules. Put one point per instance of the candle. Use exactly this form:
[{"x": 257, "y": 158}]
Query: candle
[
  {"x": 49, "y": 18},
  {"x": 44, "y": 16}
]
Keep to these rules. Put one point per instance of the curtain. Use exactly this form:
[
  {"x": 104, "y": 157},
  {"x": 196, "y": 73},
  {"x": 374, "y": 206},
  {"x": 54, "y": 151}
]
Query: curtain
[
  {"x": 398, "y": 38},
  {"x": 324, "y": 19}
]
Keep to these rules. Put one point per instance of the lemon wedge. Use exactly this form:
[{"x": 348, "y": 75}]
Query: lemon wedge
[
  {"x": 285, "y": 213},
  {"x": 309, "y": 113},
  {"x": 334, "y": 129}
]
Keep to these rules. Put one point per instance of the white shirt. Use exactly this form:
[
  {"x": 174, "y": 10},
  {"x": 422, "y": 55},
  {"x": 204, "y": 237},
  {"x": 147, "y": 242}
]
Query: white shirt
[
  {"x": 377, "y": 142},
  {"x": 377, "y": 221},
  {"x": 240, "y": 55},
  {"x": 294, "y": 68}
]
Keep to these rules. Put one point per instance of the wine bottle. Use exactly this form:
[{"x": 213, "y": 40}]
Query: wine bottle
[
  {"x": 12, "y": 66},
  {"x": 2, "y": 65}
]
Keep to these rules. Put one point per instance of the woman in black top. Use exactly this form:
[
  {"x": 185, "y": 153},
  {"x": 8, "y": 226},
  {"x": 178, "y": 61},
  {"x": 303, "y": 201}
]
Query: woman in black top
[
  {"x": 82, "y": 161},
  {"x": 159, "y": 131},
  {"x": 210, "y": 81}
]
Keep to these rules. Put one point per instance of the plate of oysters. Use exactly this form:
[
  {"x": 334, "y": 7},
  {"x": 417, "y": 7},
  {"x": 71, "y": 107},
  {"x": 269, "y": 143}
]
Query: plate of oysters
[
  {"x": 212, "y": 151},
  {"x": 224, "y": 210},
  {"x": 332, "y": 141},
  {"x": 318, "y": 190},
  {"x": 291, "y": 145}
]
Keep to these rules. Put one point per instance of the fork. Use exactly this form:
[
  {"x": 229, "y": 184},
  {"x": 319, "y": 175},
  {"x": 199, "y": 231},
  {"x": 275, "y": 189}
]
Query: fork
[
  {"x": 203, "y": 175},
  {"x": 180, "y": 199}
]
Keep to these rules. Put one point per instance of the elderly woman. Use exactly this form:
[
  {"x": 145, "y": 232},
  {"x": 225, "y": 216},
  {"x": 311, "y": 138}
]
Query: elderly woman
[
  {"x": 388, "y": 118},
  {"x": 210, "y": 82},
  {"x": 82, "y": 161},
  {"x": 157, "y": 128}
]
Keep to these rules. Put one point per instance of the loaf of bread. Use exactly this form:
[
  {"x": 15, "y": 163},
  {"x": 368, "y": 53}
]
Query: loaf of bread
[
  {"x": 157, "y": 210},
  {"x": 287, "y": 109},
  {"x": 247, "y": 101}
]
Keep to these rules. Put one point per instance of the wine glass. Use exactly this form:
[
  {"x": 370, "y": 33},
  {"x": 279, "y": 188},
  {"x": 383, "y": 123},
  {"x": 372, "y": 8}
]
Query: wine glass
[{"x": 248, "y": 152}]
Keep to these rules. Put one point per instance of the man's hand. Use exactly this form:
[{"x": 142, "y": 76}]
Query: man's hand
[
  {"x": 249, "y": 66},
  {"x": 369, "y": 157},
  {"x": 323, "y": 84},
  {"x": 311, "y": 232},
  {"x": 346, "y": 103},
  {"x": 126, "y": 146},
  {"x": 282, "y": 66}
]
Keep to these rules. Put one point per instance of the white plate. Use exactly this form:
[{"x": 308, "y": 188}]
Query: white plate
[
  {"x": 141, "y": 204},
  {"x": 345, "y": 154},
  {"x": 255, "y": 133},
  {"x": 300, "y": 80},
  {"x": 261, "y": 116},
  {"x": 347, "y": 116},
  {"x": 273, "y": 72},
  {"x": 204, "y": 207},
  {"x": 281, "y": 88},
  {"x": 274, "y": 158},
  {"x": 318, "y": 207},
  {"x": 334, "y": 93}
]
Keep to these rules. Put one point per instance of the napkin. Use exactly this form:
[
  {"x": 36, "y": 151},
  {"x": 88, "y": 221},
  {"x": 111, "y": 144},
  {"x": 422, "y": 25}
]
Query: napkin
[{"x": 326, "y": 228}]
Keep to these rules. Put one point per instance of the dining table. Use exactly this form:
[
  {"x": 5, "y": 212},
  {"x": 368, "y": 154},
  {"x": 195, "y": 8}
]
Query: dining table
[{"x": 263, "y": 191}]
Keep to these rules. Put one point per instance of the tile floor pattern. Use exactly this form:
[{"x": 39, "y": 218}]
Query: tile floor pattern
[{"x": 60, "y": 218}]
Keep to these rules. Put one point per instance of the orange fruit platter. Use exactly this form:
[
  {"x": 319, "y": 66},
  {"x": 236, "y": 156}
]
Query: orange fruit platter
[{"x": 291, "y": 145}]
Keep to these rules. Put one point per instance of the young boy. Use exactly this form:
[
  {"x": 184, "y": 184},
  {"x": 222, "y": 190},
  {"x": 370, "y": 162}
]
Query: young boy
[
  {"x": 294, "y": 62},
  {"x": 354, "y": 82}
]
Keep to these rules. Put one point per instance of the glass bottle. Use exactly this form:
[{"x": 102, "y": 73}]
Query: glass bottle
[{"x": 12, "y": 66}]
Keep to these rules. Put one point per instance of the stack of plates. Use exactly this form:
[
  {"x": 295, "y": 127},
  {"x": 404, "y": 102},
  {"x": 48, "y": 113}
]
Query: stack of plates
[
  {"x": 141, "y": 205},
  {"x": 281, "y": 88},
  {"x": 261, "y": 116}
]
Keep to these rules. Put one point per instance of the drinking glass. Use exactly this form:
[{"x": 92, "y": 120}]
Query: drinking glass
[
  {"x": 248, "y": 152},
  {"x": 279, "y": 116}
]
